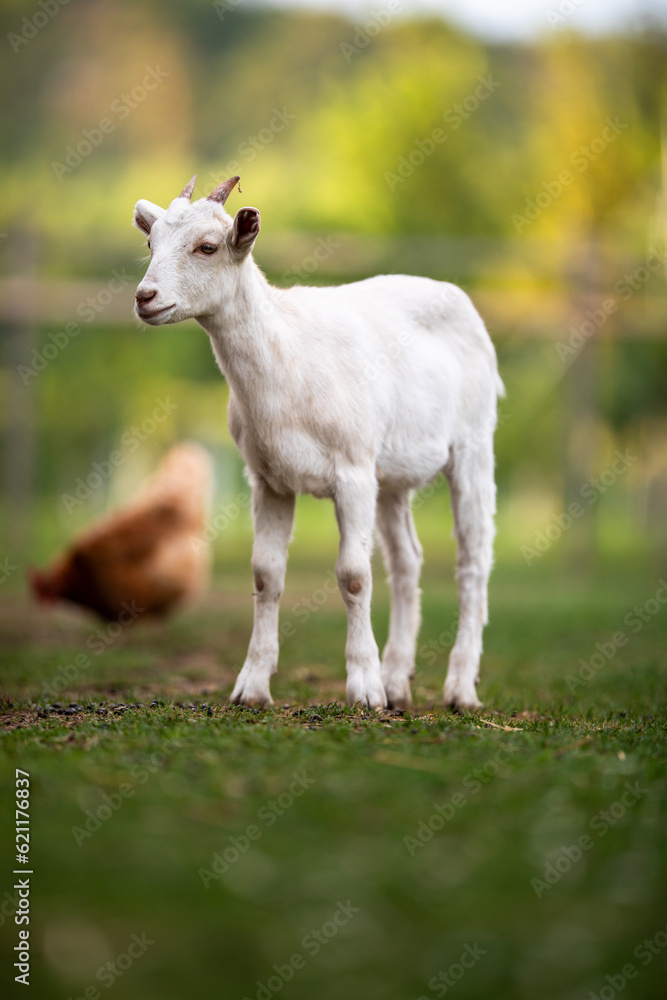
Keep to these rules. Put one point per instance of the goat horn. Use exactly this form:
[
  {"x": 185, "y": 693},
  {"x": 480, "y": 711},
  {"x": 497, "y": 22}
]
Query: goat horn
[
  {"x": 189, "y": 188},
  {"x": 223, "y": 191}
]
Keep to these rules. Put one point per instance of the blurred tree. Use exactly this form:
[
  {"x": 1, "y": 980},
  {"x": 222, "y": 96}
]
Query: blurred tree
[{"x": 414, "y": 138}]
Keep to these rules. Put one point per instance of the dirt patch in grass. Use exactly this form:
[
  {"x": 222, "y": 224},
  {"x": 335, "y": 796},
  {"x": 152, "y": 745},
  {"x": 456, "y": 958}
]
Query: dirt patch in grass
[{"x": 19, "y": 719}]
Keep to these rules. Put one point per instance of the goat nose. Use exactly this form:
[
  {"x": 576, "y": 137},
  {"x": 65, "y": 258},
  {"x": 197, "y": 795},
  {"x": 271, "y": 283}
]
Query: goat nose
[{"x": 145, "y": 295}]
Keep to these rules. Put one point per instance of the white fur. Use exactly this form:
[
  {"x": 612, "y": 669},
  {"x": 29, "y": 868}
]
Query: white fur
[{"x": 360, "y": 393}]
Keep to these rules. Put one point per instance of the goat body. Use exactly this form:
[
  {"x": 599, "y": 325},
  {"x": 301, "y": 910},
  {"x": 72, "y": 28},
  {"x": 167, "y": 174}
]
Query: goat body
[{"x": 359, "y": 393}]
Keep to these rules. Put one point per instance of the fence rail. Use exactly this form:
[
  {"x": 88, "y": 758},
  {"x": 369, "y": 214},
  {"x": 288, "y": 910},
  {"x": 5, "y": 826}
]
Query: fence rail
[{"x": 525, "y": 312}]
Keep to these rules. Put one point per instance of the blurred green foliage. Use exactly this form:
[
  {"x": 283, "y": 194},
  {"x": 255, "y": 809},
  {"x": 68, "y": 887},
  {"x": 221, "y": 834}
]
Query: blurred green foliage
[
  {"x": 417, "y": 148},
  {"x": 355, "y": 115}
]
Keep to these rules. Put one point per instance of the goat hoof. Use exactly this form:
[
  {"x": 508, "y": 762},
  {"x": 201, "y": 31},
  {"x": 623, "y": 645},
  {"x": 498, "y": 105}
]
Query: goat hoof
[
  {"x": 461, "y": 697},
  {"x": 251, "y": 692},
  {"x": 459, "y": 707},
  {"x": 252, "y": 702},
  {"x": 368, "y": 692},
  {"x": 398, "y": 695}
]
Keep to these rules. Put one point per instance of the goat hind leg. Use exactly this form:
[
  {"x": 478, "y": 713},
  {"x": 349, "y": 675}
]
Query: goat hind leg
[
  {"x": 473, "y": 495},
  {"x": 403, "y": 557}
]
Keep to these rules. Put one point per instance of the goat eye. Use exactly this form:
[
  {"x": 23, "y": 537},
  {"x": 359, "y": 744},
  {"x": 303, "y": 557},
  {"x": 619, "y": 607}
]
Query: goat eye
[{"x": 207, "y": 248}]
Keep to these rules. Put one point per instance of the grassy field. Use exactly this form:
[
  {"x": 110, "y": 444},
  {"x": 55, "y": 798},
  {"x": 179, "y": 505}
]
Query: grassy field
[{"x": 182, "y": 848}]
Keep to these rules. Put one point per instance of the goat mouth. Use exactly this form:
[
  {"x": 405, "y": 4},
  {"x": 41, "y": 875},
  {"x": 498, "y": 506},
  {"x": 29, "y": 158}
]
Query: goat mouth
[{"x": 146, "y": 315}]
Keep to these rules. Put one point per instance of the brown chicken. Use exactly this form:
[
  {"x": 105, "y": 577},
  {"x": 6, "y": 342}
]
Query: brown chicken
[{"x": 147, "y": 557}]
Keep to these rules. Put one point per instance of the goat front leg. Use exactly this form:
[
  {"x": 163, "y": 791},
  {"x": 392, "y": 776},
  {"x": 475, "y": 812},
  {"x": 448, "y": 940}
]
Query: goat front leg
[
  {"x": 273, "y": 517},
  {"x": 355, "y": 512}
]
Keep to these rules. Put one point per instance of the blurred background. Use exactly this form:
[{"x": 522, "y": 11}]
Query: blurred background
[{"x": 521, "y": 153}]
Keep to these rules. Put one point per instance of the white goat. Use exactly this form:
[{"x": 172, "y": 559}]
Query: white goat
[{"x": 360, "y": 393}]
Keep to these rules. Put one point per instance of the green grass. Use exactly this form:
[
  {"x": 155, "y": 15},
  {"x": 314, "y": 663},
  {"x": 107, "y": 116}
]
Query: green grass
[{"x": 529, "y": 777}]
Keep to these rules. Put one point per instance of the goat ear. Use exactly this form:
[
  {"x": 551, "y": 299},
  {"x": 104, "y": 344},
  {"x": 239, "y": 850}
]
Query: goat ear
[
  {"x": 146, "y": 214},
  {"x": 244, "y": 231}
]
